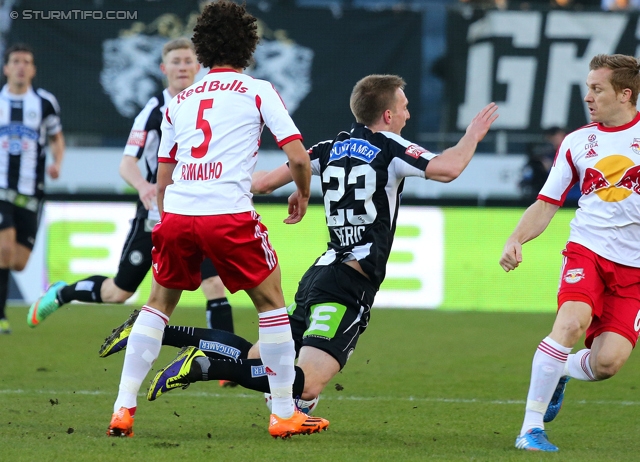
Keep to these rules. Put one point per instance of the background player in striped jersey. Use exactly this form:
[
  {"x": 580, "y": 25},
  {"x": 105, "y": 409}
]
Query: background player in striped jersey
[
  {"x": 599, "y": 291},
  {"x": 210, "y": 138},
  {"x": 362, "y": 174},
  {"x": 180, "y": 65},
  {"x": 29, "y": 120}
]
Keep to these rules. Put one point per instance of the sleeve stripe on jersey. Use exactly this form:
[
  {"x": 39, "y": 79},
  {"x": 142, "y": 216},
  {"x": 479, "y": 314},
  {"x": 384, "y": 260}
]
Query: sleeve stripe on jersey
[
  {"x": 166, "y": 114},
  {"x": 259, "y": 105},
  {"x": 551, "y": 201},
  {"x": 172, "y": 154},
  {"x": 574, "y": 179},
  {"x": 289, "y": 139}
]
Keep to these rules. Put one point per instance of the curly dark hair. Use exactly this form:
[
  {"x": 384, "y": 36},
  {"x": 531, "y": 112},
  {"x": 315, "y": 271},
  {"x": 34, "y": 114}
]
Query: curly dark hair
[{"x": 225, "y": 34}]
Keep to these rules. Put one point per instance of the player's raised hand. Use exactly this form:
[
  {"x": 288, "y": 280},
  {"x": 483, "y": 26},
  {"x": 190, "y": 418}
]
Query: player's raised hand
[
  {"x": 481, "y": 123},
  {"x": 511, "y": 255}
]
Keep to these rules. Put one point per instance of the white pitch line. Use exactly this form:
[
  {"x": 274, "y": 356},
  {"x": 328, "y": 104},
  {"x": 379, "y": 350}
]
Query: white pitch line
[{"x": 201, "y": 394}]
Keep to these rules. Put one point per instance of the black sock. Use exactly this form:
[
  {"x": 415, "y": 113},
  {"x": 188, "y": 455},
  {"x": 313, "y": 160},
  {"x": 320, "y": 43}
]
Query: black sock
[
  {"x": 219, "y": 315},
  {"x": 248, "y": 373},
  {"x": 213, "y": 342},
  {"x": 87, "y": 290},
  {"x": 4, "y": 291}
]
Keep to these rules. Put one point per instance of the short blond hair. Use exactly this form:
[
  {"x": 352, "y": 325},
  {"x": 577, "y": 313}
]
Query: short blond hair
[
  {"x": 180, "y": 43},
  {"x": 625, "y": 72},
  {"x": 373, "y": 95}
]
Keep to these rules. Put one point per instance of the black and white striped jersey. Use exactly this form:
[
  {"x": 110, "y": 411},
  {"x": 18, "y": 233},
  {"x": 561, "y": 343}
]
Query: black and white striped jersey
[
  {"x": 144, "y": 141},
  {"x": 26, "y": 122},
  {"x": 362, "y": 177}
]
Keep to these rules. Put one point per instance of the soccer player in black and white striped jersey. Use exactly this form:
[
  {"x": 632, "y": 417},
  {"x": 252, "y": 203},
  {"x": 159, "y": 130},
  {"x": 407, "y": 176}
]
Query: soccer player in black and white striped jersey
[{"x": 29, "y": 120}]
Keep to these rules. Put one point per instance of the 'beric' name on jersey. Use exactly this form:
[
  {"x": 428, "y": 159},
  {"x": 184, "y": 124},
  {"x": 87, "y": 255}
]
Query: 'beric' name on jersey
[{"x": 362, "y": 178}]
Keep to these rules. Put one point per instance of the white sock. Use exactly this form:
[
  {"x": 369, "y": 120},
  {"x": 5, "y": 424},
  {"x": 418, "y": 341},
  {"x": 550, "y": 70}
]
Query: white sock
[
  {"x": 578, "y": 366},
  {"x": 142, "y": 350},
  {"x": 278, "y": 355},
  {"x": 546, "y": 370}
]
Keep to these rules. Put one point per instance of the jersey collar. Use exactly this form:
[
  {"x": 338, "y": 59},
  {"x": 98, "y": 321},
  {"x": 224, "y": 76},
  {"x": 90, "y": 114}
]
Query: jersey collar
[
  {"x": 222, "y": 69},
  {"x": 621, "y": 127}
]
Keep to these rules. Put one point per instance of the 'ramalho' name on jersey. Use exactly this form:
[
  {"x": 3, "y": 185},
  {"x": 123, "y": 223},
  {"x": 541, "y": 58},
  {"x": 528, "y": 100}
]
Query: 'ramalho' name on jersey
[
  {"x": 144, "y": 141},
  {"x": 606, "y": 164},
  {"x": 362, "y": 177},
  {"x": 26, "y": 121}
]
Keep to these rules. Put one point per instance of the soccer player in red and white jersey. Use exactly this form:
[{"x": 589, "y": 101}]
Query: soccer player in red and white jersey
[
  {"x": 210, "y": 139},
  {"x": 599, "y": 291}
]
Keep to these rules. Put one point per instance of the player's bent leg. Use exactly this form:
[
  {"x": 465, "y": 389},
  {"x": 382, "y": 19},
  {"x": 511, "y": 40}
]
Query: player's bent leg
[
  {"x": 111, "y": 293},
  {"x": 319, "y": 368},
  {"x": 609, "y": 352}
]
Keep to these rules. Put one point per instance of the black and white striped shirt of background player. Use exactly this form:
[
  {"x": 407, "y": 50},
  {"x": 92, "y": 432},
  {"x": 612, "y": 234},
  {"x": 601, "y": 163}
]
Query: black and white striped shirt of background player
[{"x": 26, "y": 123}]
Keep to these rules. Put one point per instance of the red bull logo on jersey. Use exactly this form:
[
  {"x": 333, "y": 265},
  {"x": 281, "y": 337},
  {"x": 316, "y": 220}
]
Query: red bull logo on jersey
[
  {"x": 612, "y": 178},
  {"x": 635, "y": 146},
  {"x": 354, "y": 147},
  {"x": 236, "y": 85},
  {"x": 574, "y": 275}
]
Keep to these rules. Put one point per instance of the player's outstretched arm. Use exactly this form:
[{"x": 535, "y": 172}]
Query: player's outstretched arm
[
  {"x": 264, "y": 182},
  {"x": 451, "y": 163},
  {"x": 533, "y": 222}
]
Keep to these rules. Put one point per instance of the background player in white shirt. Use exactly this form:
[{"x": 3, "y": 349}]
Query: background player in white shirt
[
  {"x": 210, "y": 138},
  {"x": 599, "y": 291},
  {"x": 29, "y": 120},
  {"x": 180, "y": 65}
]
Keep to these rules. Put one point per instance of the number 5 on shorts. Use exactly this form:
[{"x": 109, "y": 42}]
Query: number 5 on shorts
[{"x": 325, "y": 319}]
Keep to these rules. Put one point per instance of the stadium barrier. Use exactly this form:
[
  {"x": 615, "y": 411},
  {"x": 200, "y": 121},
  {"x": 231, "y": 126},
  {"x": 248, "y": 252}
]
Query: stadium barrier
[{"x": 442, "y": 257}]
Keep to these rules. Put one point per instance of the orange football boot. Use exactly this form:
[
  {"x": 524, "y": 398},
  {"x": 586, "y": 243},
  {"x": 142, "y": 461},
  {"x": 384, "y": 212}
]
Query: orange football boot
[
  {"x": 121, "y": 423},
  {"x": 298, "y": 424}
]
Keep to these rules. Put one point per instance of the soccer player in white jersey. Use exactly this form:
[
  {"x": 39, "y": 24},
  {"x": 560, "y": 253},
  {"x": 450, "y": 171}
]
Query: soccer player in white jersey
[
  {"x": 29, "y": 120},
  {"x": 210, "y": 139},
  {"x": 180, "y": 65},
  {"x": 599, "y": 291}
]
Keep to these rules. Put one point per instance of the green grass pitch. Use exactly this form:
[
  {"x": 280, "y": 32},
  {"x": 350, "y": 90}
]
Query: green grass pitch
[{"x": 422, "y": 385}]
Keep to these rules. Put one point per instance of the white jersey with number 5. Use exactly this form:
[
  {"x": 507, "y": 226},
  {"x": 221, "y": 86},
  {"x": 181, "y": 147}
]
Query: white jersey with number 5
[{"x": 211, "y": 130}]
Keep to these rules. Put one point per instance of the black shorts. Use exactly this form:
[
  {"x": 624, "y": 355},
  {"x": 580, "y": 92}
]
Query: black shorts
[
  {"x": 24, "y": 221},
  {"x": 135, "y": 260},
  {"x": 331, "y": 310}
]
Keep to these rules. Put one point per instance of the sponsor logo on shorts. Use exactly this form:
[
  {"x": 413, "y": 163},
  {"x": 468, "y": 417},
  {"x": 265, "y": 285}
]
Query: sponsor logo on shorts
[
  {"x": 574, "y": 275},
  {"x": 136, "y": 257},
  {"x": 219, "y": 348}
]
